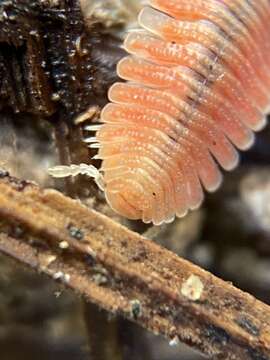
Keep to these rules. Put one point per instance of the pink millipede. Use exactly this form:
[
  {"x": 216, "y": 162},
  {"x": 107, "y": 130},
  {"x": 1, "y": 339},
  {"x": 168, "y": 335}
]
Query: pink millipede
[{"x": 198, "y": 86}]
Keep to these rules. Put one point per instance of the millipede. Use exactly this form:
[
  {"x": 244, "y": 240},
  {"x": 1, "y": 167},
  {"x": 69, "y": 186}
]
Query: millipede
[{"x": 197, "y": 88}]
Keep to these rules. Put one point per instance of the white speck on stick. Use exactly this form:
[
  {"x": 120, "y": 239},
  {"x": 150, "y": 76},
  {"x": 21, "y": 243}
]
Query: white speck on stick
[
  {"x": 174, "y": 341},
  {"x": 192, "y": 288},
  {"x": 63, "y": 245},
  {"x": 61, "y": 276}
]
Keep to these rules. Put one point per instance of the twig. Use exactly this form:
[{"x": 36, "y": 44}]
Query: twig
[{"x": 126, "y": 274}]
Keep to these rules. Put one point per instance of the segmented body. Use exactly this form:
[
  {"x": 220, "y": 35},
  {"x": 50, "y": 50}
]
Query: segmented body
[{"x": 198, "y": 86}]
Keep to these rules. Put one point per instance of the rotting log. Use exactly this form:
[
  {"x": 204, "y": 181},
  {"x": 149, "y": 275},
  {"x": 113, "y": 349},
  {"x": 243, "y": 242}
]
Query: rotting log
[{"x": 129, "y": 275}]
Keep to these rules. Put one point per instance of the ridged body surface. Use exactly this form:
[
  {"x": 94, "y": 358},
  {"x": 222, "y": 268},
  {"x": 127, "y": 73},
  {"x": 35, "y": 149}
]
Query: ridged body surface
[{"x": 198, "y": 86}]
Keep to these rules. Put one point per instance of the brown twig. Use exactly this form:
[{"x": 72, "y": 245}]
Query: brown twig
[{"x": 126, "y": 274}]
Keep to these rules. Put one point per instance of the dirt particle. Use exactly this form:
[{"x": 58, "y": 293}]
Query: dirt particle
[
  {"x": 17, "y": 232},
  {"x": 46, "y": 261},
  {"x": 192, "y": 288},
  {"x": 57, "y": 294},
  {"x": 174, "y": 341},
  {"x": 3, "y": 173},
  {"x": 100, "y": 279},
  {"x": 55, "y": 97},
  {"x": 136, "y": 308},
  {"x": 64, "y": 245},
  {"x": 76, "y": 233},
  {"x": 50, "y": 259},
  {"x": 59, "y": 275},
  {"x": 91, "y": 252}
]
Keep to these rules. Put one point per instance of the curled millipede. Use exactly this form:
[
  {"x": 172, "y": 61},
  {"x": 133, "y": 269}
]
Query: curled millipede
[{"x": 198, "y": 86}]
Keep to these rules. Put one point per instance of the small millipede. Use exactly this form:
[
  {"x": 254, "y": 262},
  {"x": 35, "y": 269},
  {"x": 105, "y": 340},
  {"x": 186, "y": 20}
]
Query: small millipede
[{"x": 198, "y": 86}]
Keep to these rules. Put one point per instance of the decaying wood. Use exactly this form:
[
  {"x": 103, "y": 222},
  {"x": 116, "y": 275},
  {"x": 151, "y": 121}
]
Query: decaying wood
[
  {"x": 127, "y": 274},
  {"x": 50, "y": 63}
]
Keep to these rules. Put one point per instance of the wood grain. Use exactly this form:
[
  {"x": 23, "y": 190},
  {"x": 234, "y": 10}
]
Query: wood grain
[{"x": 126, "y": 274}]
